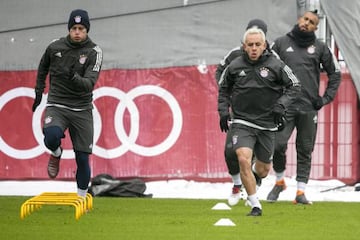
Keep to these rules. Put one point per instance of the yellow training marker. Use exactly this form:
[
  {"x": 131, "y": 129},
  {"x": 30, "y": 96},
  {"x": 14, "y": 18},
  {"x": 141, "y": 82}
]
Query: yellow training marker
[{"x": 81, "y": 205}]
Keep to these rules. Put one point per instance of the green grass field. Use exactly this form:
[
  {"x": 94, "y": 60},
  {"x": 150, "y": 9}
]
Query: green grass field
[{"x": 171, "y": 219}]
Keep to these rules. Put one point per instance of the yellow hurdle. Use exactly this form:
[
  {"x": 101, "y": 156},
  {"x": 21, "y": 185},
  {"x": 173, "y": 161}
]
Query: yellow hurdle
[{"x": 81, "y": 205}]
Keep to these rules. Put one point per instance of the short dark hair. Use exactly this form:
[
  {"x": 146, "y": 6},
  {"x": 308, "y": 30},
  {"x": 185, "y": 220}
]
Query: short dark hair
[{"x": 315, "y": 11}]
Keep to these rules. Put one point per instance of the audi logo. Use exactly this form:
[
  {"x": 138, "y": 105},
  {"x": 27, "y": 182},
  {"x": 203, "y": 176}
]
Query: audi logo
[{"x": 128, "y": 140}]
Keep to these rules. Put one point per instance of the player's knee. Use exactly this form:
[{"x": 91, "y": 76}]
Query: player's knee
[
  {"x": 52, "y": 137},
  {"x": 266, "y": 170},
  {"x": 262, "y": 169}
]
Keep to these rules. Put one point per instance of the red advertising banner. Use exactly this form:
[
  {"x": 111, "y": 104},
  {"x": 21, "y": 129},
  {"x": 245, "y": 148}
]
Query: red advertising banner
[{"x": 159, "y": 123}]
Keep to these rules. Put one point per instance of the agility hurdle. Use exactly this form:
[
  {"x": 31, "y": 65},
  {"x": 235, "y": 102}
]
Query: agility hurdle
[{"x": 81, "y": 205}]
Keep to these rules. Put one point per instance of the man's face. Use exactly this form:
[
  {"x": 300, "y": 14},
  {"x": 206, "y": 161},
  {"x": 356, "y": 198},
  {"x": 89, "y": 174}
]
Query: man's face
[
  {"x": 254, "y": 46},
  {"x": 78, "y": 33},
  {"x": 308, "y": 22}
]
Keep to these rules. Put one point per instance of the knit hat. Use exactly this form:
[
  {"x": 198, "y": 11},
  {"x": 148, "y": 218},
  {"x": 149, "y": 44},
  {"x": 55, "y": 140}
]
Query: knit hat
[
  {"x": 258, "y": 23},
  {"x": 79, "y": 16}
]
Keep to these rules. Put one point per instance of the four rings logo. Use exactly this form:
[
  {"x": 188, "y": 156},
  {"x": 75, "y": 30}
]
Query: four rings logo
[{"x": 128, "y": 140}]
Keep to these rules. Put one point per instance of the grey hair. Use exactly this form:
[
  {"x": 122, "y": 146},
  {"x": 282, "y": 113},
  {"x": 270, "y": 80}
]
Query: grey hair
[{"x": 254, "y": 30}]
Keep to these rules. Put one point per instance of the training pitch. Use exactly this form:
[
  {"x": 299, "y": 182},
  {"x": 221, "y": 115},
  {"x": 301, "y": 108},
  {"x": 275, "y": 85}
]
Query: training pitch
[{"x": 164, "y": 219}]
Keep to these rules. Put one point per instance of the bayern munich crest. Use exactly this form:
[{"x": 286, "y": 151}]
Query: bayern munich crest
[
  {"x": 264, "y": 72},
  {"x": 48, "y": 120},
  {"x": 77, "y": 19},
  {"x": 82, "y": 59},
  {"x": 311, "y": 49},
  {"x": 234, "y": 139}
]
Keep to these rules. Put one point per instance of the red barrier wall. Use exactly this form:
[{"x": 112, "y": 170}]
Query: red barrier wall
[{"x": 159, "y": 124}]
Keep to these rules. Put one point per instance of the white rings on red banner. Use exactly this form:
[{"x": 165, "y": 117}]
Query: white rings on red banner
[{"x": 128, "y": 141}]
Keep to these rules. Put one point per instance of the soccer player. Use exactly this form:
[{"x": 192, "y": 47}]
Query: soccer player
[
  {"x": 230, "y": 155},
  {"x": 73, "y": 64},
  {"x": 258, "y": 87},
  {"x": 304, "y": 54}
]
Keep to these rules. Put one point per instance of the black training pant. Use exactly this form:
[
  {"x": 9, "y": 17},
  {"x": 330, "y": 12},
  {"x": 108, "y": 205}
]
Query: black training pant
[{"x": 306, "y": 127}]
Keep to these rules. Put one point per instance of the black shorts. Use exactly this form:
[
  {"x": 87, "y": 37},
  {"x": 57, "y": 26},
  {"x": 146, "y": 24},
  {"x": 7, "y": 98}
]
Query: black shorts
[
  {"x": 262, "y": 142},
  {"x": 79, "y": 123}
]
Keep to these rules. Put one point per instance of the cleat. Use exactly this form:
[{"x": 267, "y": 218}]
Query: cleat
[
  {"x": 275, "y": 192},
  {"x": 235, "y": 196},
  {"x": 255, "y": 212},
  {"x": 53, "y": 166},
  {"x": 301, "y": 199}
]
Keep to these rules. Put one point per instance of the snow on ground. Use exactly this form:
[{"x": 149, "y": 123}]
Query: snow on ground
[{"x": 316, "y": 190}]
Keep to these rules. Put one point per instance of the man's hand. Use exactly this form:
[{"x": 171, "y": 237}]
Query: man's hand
[
  {"x": 318, "y": 104},
  {"x": 37, "y": 101},
  {"x": 279, "y": 116},
  {"x": 224, "y": 118}
]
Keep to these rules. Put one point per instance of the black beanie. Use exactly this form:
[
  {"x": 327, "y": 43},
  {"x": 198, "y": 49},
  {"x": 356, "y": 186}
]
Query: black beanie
[
  {"x": 79, "y": 16},
  {"x": 258, "y": 23}
]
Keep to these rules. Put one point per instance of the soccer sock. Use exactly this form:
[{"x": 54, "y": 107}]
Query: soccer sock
[
  {"x": 82, "y": 192},
  {"x": 254, "y": 201},
  {"x": 57, "y": 152},
  {"x": 236, "y": 179},
  {"x": 279, "y": 175},
  {"x": 301, "y": 186}
]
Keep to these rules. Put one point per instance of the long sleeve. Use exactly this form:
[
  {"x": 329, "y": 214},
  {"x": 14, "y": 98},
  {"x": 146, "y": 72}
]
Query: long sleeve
[
  {"x": 292, "y": 87},
  {"x": 224, "y": 93},
  {"x": 332, "y": 68},
  {"x": 43, "y": 70}
]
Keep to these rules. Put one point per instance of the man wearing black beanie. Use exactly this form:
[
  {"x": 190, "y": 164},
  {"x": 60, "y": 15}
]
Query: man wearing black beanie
[
  {"x": 79, "y": 16},
  {"x": 73, "y": 64}
]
